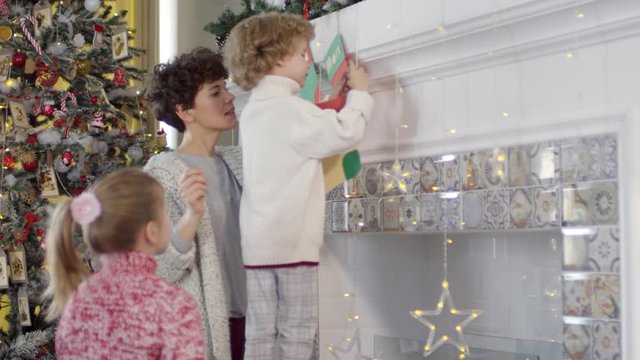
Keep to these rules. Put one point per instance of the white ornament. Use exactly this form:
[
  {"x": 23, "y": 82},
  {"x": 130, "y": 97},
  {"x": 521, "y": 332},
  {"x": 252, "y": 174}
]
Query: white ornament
[
  {"x": 92, "y": 5},
  {"x": 78, "y": 40}
]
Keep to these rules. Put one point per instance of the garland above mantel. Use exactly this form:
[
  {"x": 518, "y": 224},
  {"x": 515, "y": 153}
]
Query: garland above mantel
[{"x": 311, "y": 9}]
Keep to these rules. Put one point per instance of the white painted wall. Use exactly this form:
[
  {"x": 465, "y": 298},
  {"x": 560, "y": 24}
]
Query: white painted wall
[{"x": 495, "y": 57}]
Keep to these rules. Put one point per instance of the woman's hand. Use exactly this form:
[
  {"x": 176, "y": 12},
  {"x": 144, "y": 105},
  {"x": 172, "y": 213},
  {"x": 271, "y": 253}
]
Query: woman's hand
[{"x": 193, "y": 189}]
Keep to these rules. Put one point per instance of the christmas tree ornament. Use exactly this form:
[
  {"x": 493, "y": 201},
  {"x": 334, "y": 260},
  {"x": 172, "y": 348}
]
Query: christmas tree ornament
[
  {"x": 97, "y": 124},
  {"x": 42, "y": 16},
  {"x": 119, "y": 77},
  {"x": 18, "y": 59},
  {"x": 17, "y": 264},
  {"x": 83, "y": 66},
  {"x": 78, "y": 40},
  {"x": 29, "y": 161},
  {"x": 46, "y": 75},
  {"x": 67, "y": 158},
  {"x": 119, "y": 44},
  {"x": 5, "y": 32},
  {"x": 8, "y": 161},
  {"x": 24, "y": 314},
  {"x": 161, "y": 138},
  {"x": 4, "y": 276},
  {"x": 92, "y": 5},
  {"x": 29, "y": 66},
  {"x": 48, "y": 106},
  {"x": 98, "y": 36},
  {"x": 19, "y": 114},
  {"x": 27, "y": 33},
  {"x": 4, "y": 10}
]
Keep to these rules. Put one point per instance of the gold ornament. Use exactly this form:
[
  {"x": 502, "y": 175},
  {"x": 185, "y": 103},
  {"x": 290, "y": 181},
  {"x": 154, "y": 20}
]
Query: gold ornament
[
  {"x": 5, "y": 33},
  {"x": 84, "y": 67}
]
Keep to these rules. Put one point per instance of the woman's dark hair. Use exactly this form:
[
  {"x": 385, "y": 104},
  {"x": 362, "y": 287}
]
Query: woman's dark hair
[{"x": 178, "y": 82}]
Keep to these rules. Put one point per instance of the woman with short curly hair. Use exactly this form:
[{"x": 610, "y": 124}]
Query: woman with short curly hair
[{"x": 202, "y": 184}]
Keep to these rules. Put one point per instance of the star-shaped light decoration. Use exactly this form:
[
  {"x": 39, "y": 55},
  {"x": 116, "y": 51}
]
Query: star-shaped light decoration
[
  {"x": 395, "y": 178},
  {"x": 348, "y": 349},
  {"x": 448, "y": 325}
]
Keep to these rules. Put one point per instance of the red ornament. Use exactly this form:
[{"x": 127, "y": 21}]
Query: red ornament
[
  {"x": 98, "y": 28},
  {"x": 119, "y": 77},
  {"x": 67, "y": 158},
  {"x": 32, "y": 139},
  {"x": 8, "y": 162},
  {"x": 30, "y": 166},
  {"x": 94, "y": 99},
  {"x": 45, "y": 76},
  {"x": 77, "y": 121},
  {"x": 48, "y": 107},
  {"x": 58, "y": 123},
  {"x": 83, "y": 179},
  {"x": 18, "y": 59}
]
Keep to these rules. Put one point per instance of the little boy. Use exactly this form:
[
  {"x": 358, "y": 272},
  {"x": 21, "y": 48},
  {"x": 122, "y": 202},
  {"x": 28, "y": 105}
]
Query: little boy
[{"x": 284, "y": 139}]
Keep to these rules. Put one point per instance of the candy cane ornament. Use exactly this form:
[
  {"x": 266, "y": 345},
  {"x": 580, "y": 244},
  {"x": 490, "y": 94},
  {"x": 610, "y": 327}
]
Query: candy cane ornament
[{"x": 32, "y": 40}]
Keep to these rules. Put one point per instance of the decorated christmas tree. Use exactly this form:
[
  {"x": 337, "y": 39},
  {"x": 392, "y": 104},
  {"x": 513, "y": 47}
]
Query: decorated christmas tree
[
  {"x": 70, "y": 114},
  {"x": 310, "y": 9}
]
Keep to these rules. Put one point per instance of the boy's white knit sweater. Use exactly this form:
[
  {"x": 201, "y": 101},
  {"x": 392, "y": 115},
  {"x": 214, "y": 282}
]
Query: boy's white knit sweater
[{"x": 284, "y": 138}]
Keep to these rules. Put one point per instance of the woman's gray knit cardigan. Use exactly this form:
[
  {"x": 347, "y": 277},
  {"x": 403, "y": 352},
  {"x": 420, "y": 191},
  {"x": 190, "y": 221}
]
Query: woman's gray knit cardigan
[{"x": 204, "y": 283}]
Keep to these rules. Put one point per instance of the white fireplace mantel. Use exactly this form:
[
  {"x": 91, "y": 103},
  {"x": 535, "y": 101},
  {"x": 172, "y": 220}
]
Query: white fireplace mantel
[{"x": 502, "y": 73}]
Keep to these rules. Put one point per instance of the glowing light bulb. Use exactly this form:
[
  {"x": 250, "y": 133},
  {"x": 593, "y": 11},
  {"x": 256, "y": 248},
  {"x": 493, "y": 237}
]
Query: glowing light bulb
[
  {"x": 569, "y": 55},
  {"x": 452, "y": 131},
  {"x": 459, "y": 328},
  {"x": 474, "y": 314},
  {"x": 346, "y": 294},
  {"x": 442, "y": 29},
  {"x": 505, "y": 114},
  {"x": 440, "y": 305},
  {"x": 445, "y": 284},
  {"x": 356, "y": 317},
  {"x": 500, "y": 157},
  {"x": 580, "y": 15},
  {"x": 318, "y": 43},
  {"x": 454, "y": 311},
  {"x": 417, "y": 312},
  {"x": 450, "y": 241},
  {"x": 445, "y": 338}
]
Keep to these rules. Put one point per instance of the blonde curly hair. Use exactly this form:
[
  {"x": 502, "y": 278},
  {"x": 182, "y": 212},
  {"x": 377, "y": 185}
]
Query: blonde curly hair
[{"x": 257, "y": 43}]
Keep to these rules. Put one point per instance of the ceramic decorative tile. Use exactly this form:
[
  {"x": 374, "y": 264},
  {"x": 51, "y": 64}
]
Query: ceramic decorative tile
[
  {"x": 451, "y": 206},
  {"x": 340, "y": 210},
  {"x": 576, "y": 252},
  {"x": 537, "y": 164},
  {"x": 430, "y": 211},
  {"x": 575, "y": 209},
  {"x": 603, "y": 203},
  {"x": 495, "y": 168},
  {"x": 401, "y": 178},
  {"x": 495, "y": 214},
  {"x": 546, "y": 212},
  {"x": 372, "y": 176},
  {"x": 575, "y": 160},
  {"x": 410, "y": 213},
  {"x": 449, "y": 170},
  {"x": 356, "y": 215},
  {"x": 355, "y": 186},
  {"x": 371, "y": 215},
  {"x": 429, "y": 174},
  {"x": 391, "y": 214},
  {"x": 472, "y": 170},
  {"x": 577, "y": 298},
  {"x": 472, "y": 209},
  {"x": 337, "y": 193},
  {"x": 328, "y": 217},
  {"x": 606, "y": 340},
  {"x": 604, "y": 250},
  {"x": 604, "y": 157},
  {"x": 606, "y": 296},
  {"x": 577, "y": 342},
  {"x": 520, "y": 208}
]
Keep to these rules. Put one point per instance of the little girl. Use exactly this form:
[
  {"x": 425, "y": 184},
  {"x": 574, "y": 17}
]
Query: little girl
[{"x": 124, "y": 311}]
